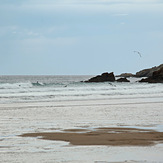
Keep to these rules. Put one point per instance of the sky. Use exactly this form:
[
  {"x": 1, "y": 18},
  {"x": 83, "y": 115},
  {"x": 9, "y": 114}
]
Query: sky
[{"x": 79, "y": 37}]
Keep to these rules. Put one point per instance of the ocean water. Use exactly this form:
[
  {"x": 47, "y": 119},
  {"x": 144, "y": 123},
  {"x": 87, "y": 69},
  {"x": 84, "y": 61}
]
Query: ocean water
[
  {"x": 55, "y": 103},
  {"x": 40, "y": 88},
  {"x": 17, "y": 89}
]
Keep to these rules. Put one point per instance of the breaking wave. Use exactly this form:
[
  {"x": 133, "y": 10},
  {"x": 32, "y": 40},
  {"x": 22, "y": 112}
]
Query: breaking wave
[{"x": 31, "y": 89}]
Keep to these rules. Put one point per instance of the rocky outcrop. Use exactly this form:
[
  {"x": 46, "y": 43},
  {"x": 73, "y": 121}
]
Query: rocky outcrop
[
  {"x": 122, "y": 80},
  {"x": 148, "y": 72},
  {"x": 103, "y": 78},
  {"x": 154, "y": 75},
  {"x": 157, "y": 77}
]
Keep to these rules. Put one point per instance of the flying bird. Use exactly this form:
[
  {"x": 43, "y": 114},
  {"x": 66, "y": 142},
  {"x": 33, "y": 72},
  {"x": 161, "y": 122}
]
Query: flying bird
[{"x": 138, "y": 53}]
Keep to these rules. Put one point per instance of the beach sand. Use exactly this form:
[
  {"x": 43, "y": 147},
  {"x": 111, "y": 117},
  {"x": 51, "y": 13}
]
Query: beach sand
[
  {"x": 103, "y": 136},
  {"x": 96, "y": 120}
]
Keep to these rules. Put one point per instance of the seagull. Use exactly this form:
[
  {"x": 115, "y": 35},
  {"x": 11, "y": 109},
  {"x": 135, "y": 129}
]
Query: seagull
[{"x": 138, "y": 53}]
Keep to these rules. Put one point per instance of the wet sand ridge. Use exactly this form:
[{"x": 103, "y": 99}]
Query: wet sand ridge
[{"x": 103, "y": 136}]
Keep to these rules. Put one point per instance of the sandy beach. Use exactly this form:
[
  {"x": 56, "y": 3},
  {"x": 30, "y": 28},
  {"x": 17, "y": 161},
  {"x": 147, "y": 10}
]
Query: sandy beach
[
  {"x": 83, "y": 133},
  {"x": 103, "y": 136},
  {"x": 81, "y": 123}
]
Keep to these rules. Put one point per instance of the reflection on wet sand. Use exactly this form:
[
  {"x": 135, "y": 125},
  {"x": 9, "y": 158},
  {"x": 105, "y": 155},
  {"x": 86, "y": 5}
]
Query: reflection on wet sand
[{"x": 103, "y": 136}]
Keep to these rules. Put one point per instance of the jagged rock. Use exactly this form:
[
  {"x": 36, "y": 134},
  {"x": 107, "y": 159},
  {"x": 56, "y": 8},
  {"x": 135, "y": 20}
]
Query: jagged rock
[
  {"x": 126, "y": 75},
  {"x": 157, "y": 77},
  {"x": 103, "y": 78},
  {"x": 148, "y": 72},
  {"x": 122, "y": 80}
]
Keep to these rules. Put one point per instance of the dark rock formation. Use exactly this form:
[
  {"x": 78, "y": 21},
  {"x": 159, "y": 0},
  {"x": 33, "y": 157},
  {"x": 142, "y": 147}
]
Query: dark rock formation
[
  {"x": 148, "y": 72},
  {"x": 157, "y": 77},
  {"x": 122, "y": 80},
  {"x": 126, "y": 75},
  {"x": 103, "y": 78}
]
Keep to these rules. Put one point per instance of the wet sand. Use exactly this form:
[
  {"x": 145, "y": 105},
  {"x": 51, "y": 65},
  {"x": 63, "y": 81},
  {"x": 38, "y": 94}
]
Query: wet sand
[{"x": 103, "y": 136}]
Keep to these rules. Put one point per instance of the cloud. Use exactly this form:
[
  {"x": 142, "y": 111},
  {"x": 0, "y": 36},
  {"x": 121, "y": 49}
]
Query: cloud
[
  {"x": 68, "y": 18},
  {"x": 120, "y": 14},
  {"x": 39, "y": 43},
  {"x": 83, "y": 1},
  {"x": 90, "y": 2},
  {"x": 84, "y": 7}
]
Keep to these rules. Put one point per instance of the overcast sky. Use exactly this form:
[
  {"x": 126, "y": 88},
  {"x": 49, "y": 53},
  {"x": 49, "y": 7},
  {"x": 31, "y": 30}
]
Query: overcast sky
[{"x": 75, "y": 37}]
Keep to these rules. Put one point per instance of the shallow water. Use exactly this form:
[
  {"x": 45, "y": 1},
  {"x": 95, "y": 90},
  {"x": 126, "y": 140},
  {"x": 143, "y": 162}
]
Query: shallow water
[{"x": 53, "y": 107}]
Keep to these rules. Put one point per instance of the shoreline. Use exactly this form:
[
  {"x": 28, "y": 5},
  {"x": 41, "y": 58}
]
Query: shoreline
[{"x": 103, "y": 136}]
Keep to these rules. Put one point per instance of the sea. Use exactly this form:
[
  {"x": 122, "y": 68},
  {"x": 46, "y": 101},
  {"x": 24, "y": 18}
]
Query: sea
[{"x": 54, "y": 103}]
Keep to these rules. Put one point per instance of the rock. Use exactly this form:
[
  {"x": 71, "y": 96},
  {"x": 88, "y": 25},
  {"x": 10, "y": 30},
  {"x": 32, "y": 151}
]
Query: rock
[
  {"x": 126, "y": 75},
  {"x": 157, "y": 77},
  {"x": 103, "y": 78},
  {"x": 158, "y": 74},
  {"x": 122, "y": 80},
  {"x": 148, "y": 72}
]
